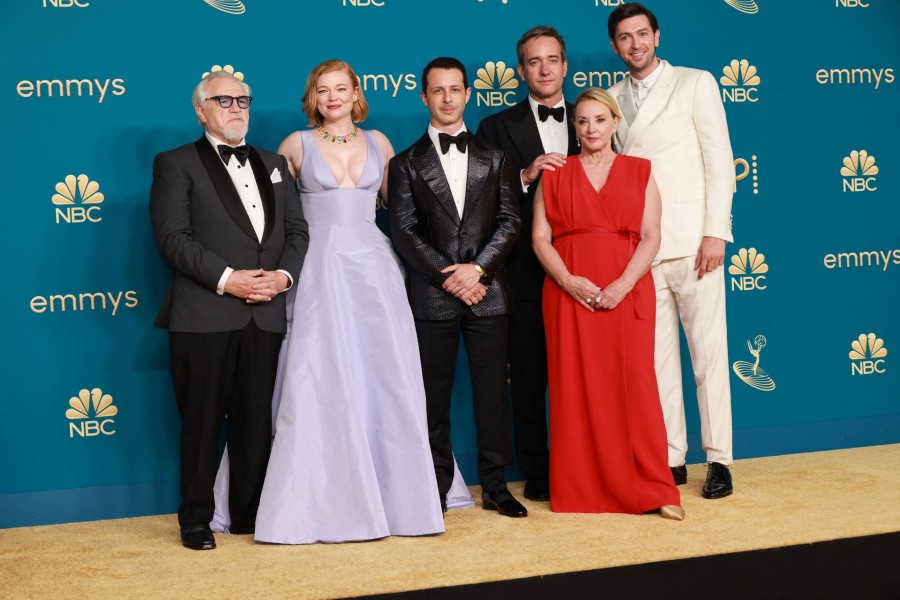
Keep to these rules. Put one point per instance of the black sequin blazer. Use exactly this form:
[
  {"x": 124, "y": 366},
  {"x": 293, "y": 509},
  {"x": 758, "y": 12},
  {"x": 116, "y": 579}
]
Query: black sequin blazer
[{"x": 429, "y": 235}]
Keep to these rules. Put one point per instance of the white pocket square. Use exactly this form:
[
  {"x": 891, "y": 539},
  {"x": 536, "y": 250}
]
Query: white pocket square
[{"x": 275, "y": 176}]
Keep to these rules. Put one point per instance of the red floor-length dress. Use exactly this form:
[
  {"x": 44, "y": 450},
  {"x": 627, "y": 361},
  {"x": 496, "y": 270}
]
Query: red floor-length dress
[{"x": 607, "y": 435}]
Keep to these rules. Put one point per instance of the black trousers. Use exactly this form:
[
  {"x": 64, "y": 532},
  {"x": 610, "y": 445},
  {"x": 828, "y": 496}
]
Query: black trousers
[
  {"x": 528, "y": 375},
  {"x": 486, "y": 347},
  {"x": 217, "y": 376}
]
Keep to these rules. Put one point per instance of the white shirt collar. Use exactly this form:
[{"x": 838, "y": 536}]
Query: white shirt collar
[{"x": 648, "y": 81}]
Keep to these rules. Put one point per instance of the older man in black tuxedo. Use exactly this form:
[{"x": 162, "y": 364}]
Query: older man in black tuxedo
[
  {"x": 537, "y": 135},
  {"x": 228, "y": 220},
  {"x": 454, "y": 222}
]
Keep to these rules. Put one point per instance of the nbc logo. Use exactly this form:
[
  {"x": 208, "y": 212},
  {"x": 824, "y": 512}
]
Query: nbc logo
[
  {"x": 498, "y": 80},
  {"x": 232, "y": 7},
  {"x": 90, "y": 414},
  {"x": 747, "y": 270},
  {"x": 739, "y": 81},
  {"x": 227, "y": 68},
  {"x": 66, "y": 4},
  {"x": 859, "y": 172},
  {"x": 77, "y": 200},
  {"x": 745, "y": 6},
  {"x": 751, "y": 167},
  {"x": 867, "y": 355},
  {"x": 363, "y": 3},
  {"x": 850, "y": 3},
  {"x": 751, "y": 373}
]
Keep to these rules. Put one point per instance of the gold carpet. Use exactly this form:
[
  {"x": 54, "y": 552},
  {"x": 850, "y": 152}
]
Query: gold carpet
[{"x": 778, "y": 501}]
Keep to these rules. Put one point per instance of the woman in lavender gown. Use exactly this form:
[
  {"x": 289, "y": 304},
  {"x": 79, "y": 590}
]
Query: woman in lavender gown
[{"x": 350, "y": 459}]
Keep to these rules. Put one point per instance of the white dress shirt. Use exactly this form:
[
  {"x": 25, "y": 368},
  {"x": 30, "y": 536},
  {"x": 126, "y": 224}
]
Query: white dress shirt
[
  {"x": 640, "y": 88},
  {"x": 456, "y": 167},
  {"x": 554, "y": 134},
  {"x": 245, "y": 184}
]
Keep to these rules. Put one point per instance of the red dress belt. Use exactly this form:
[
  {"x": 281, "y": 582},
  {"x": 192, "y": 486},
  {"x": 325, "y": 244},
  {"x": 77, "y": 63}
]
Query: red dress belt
[
  {"x": 638, "y": 290},
  {"x": 624, "y": 232}
]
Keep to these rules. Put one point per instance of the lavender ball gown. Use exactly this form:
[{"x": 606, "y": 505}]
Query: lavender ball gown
[{"x": 350, "y": 459}]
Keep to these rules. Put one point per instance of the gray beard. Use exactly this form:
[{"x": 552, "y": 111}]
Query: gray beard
[{"x": 235, "y": 134}]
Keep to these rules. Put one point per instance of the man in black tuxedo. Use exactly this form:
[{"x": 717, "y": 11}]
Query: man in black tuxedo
[
  {"x": 228, "y": 220},
  {"x": 536, "y": 135},
  {"x": 454, "y": 222}
]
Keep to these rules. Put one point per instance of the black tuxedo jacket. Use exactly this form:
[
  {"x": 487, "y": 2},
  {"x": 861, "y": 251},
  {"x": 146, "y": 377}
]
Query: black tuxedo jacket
[
  {"x": 201, "y": 227},
  {"x": 515, "y": 131},
  {"x": 429, "y": 235}
]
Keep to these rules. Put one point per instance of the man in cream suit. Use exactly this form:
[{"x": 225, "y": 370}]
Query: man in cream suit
[{"x": 674, "y": 117}]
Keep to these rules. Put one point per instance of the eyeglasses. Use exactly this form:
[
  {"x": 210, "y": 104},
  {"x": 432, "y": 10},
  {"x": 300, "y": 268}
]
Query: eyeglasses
[{"x": 227, "y": 101}]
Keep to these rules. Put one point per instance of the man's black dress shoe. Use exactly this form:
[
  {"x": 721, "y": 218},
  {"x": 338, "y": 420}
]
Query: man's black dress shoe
[
  {"x": 443, "y": 503},
  {"x": 679, "y": 474},
  {"x": 504, "y": 503},
  {"x": 197, "y": 537},
  {"x": 540, "y": 493},
  {"x": 718, "y": 482}
]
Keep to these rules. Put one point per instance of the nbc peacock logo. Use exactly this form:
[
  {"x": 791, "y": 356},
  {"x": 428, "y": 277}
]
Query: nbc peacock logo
[
  {"x": 745, "y": 6},
  {"x": 867, "y": 354},
  {"x": 739, "y": 82},
  {"x": 227, "y": 68},
  {"x": 77, "y": 200},
  {"x": 232, "y": 7},
  {"x": 859, "y": 171},
  {"x": 751, "y": 373},
  {"x": 748, "y": 268},
  {"x": 497, "y": 82},
  {"x": 90, "y": 414}
]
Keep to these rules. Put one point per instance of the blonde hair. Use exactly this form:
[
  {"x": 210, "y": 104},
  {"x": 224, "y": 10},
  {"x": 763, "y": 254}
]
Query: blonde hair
[
  {"x": 601, "y": 96},
  {"x": 360, "y": 107}
]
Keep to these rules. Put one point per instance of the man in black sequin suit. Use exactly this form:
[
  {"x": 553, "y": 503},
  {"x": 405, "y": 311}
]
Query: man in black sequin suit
[{"x": 454, "y": 222}]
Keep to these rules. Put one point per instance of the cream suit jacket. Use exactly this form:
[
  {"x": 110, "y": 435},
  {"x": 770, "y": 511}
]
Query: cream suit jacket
[{"x": 681, "y": 128}]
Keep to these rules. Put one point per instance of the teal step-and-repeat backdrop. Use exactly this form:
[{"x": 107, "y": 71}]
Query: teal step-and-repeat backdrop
[{"x": 91, "y": 90}]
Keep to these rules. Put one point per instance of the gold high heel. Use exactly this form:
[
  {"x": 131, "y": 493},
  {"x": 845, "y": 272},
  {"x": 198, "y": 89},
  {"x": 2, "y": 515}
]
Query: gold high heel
[{"x": 672, "y": 511}]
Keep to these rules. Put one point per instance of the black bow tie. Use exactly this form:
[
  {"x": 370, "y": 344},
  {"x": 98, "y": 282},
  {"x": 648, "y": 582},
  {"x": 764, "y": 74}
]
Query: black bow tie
[
  {"x": 447, "y": 140},
  {"x": 558, "y": 113},
  {"x": 241, "y": 152}
]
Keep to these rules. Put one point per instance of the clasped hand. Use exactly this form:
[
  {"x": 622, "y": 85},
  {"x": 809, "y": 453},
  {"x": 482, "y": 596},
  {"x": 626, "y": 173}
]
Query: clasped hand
[
  {"x": 591, "y": 296},
  {"x": 257, "y": 285},
  {"x": 464, "y": 283}
]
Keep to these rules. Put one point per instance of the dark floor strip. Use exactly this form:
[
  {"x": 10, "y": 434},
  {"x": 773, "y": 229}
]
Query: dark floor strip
[{"x": 860, "y": 568}]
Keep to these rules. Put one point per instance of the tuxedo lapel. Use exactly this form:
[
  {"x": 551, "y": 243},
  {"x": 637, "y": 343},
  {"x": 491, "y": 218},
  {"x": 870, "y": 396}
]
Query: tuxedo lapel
[
  {"x": 479, "y": 166},
  {"x": 266, "y": 191},
  {"x": 523, "y": 131},
  {"x": 626, "y": 102},
  {"x": 224, "y": 186},
  {"x": 426, "y": 161}
]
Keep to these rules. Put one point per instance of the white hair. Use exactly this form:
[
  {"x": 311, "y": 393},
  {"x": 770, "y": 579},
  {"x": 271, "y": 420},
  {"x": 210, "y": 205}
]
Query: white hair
[{"x": 199, "y": 94}]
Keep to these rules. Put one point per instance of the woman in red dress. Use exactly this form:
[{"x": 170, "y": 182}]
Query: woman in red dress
[{"x": 596, "y": 231}]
